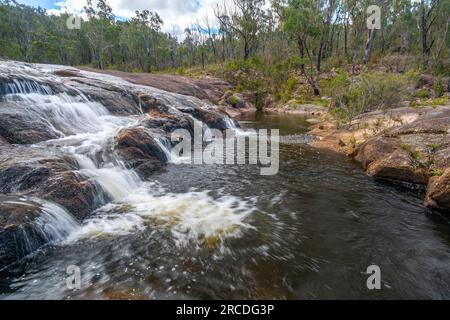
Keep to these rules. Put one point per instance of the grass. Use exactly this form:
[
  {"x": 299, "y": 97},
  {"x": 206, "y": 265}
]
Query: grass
[
  {"x": 437, "y": 173},
  {"x": 436, "y": 102}
]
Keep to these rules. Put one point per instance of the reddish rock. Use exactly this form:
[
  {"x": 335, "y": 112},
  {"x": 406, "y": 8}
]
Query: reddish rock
[
  {"x": 427, "y": 81},
  {"x": 376, "y": 149},
  {"x": 140, "y": 150},
  {"x": 18, "y": 235},
  {"x": 438, "y": 193},
  {"x": 207, "y": 88},
  {"x": 397, "y": 166},
  {"x": 80, "y": 197}
]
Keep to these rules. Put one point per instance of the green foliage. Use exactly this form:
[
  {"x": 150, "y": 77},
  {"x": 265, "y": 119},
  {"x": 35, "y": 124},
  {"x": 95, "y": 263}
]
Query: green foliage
[
  {"x": 437, "y": 173},
  {"x": 245, "y": 74},
  {"x": 233, "y": 100},
  {"x": 439, "y": 88},
  {"x": 282, "y": 50},
  {"x": 442, "y": 101},
  {"x": 368, "y": 92},
  {"x": 422, "y": 94}
]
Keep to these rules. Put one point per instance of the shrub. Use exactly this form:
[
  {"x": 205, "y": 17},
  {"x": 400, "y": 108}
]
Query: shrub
[
  {"x": 422, "y": 94},
  {"x": 365, "y": 93},
  {"x": 245, "y": 74},
  {"x": 439, "y": 88}
]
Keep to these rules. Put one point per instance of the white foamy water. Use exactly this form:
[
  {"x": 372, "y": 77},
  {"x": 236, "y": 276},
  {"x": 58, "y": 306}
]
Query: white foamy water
[
  {"x": 87, "y": 131},
  {"x": 56, "y": 222},
  {"x": 191, "y": 217}
]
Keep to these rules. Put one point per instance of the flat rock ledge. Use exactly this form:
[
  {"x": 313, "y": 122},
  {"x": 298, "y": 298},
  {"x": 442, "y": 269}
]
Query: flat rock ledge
[{"x": 409, "y": 145}]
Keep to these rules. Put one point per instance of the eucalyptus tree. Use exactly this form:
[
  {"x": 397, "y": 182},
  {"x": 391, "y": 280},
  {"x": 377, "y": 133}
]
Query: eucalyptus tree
[
  {"x": 245, "y": 18},
  {"x": 300, "y": 19}
]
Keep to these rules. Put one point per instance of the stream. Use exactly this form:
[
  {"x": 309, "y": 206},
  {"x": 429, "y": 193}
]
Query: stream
[{"x": 227, "y": 232}]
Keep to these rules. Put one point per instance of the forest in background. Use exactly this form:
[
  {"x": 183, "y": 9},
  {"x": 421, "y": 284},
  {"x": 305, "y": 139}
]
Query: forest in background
[{"x": 265, "y": 47}]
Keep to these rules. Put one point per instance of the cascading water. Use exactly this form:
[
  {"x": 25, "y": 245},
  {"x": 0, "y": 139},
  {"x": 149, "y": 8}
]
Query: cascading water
[
  {"x": 85, "y": 129},
  {"x": 55, "y": 222},
  {"x": 19, "y": 86}
]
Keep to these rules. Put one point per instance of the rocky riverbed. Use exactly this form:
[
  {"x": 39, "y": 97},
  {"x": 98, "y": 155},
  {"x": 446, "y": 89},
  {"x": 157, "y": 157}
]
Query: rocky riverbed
[
  {"x": 406, "y": 145},
  {"x": 72, "y": 140}
]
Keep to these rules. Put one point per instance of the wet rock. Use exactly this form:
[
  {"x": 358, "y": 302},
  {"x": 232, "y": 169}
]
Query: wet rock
[
  {"x": 3, "y": 142},
  {"x": 25, "y": 169},
  {"x": 150, "y": 104},
  {"x": 79, "y": 196},
  {"x": 212, "y": 118},
  {"x": 21, "y": 128},
  {"x": 438, "y": 193},
  {"x": 140, "y": 150},
  {"x": 22, "y": 177},
  {"x": 167, "y": 123},
  {"x": 117, "y": 99},
  {"x": 28, "y": 223},
  {"x": 50, "y": 178},
  {"x": 18, "y": 236}
]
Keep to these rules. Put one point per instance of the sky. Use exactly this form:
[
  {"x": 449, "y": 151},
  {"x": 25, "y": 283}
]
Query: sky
[{"x": 176, "y": 14}]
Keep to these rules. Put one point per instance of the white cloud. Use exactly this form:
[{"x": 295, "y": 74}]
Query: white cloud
[{"x": 176, "y": 14}]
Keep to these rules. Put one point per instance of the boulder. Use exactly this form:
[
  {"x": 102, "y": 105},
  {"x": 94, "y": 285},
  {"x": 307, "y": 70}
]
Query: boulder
[
  {"x": 150, "y": 104},
  {"x": 397, "y": 166},
  {"x": 376, "y": 149},
  {"x": 212, "y": 118},
  {"x": 22, "y": 128},
  {"x": 78, "y": 195},
  {"x": 438, "y": 192},
  {"x": 417, "y": 152},
  {"x": 140, "y": 150},
  {"x": 167, "y": 123},
  {"x": 49, "y": 177},
  {"x": 427, "y": 81},
  {"x": 18, "y": 236},
  {"x": 28, "y": 223}
]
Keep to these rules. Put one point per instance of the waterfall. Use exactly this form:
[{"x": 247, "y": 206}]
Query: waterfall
[
  {"x": 64, "y": 114},
  {"x": 86, "y": 129},
  {"x": 55, "y": 223},
  {"x": 16, "y": 86}
]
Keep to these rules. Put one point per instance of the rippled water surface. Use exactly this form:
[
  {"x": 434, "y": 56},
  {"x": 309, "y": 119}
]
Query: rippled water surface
[{"x": 214, "y": 231}]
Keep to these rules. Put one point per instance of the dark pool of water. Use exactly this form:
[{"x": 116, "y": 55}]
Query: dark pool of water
[{"x": 316, "y": 227}]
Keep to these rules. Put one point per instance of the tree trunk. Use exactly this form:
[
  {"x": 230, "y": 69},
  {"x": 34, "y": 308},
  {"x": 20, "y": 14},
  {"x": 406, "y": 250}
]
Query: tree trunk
[
  {"x": 319, "y": 55},
  {"x": 368, "y": 46}
]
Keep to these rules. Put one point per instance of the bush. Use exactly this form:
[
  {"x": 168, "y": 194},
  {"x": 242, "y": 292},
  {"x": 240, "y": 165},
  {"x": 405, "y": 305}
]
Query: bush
[
  {"x": 439, "y": 88},
  {"x": 398, "y": 63},
  {"x": 245, "y": 74},
  {"x": 365, "y": 93},
  {"x": 422, "y": 94}
]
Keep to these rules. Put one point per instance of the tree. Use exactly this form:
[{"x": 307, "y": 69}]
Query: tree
[
  {"x": 429, "y": 14},
  {"x": 299, "y": 19},
  {"x": 244, "y": 18}
]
